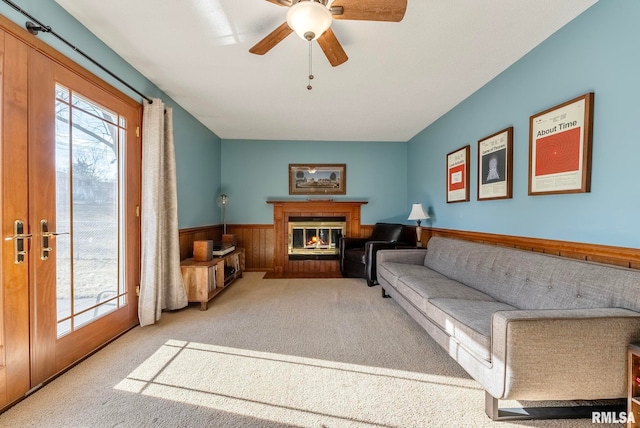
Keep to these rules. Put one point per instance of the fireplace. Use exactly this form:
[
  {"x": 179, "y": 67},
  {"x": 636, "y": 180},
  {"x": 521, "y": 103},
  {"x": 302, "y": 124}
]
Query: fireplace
[
  {"x": 285, "y": 210},
  {"x": 315, "y": 238}
]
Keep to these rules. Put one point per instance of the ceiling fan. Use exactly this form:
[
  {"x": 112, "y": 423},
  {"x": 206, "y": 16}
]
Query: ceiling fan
[{"x": 311, "y": 20}]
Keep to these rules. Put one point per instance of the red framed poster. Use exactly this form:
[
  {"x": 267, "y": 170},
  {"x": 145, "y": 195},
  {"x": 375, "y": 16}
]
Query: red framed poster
[
  {"x": 458, "y": 175},
  {"x": 560, "y": 148}
]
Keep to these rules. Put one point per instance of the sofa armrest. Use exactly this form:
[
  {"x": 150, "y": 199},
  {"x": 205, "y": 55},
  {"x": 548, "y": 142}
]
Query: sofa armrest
[
  {"x": 371, "y": 249},
  {"x": 566, "y": 354},
  {"x": 412, "y": 256}
]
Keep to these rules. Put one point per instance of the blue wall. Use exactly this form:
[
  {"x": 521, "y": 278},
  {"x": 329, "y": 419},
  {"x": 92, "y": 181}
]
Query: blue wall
[
  {"x": 254, "y": 171},
  {"x": 597, "y": 52},
  {"x": 197, "y": 148}
]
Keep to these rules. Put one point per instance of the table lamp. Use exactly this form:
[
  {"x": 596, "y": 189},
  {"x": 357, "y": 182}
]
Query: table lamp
[{"x": 418, "y": 213}]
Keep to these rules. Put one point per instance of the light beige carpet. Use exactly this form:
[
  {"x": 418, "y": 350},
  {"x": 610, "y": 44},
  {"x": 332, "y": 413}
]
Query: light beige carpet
[{"x": 270, "y": 353}]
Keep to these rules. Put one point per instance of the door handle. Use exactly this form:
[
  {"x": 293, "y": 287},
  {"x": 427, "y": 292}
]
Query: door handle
[
  {"x": 45, "y": 249},
  {"x": 19, "y": 249}
]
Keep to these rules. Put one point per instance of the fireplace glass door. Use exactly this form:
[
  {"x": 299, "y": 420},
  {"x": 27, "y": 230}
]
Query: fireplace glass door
[{"x": 314, "y": 239}]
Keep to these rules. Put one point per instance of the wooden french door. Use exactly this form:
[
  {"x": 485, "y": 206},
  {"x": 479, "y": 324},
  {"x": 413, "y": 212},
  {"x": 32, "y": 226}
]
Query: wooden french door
[{"x": 70, "y": 194}]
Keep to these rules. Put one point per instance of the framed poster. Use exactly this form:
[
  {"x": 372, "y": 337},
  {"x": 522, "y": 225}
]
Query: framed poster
[
  {"x": 560, "y": 148},
  {"x": 458, "y": 175},
  {"x": 495, "y": 166},
  {"x": 319, "y": 179}
]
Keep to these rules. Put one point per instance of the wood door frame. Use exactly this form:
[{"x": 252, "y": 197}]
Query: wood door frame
[
  {"x": 15, "y": 345},
  {"x": 23, "y": 35},
  {"x": 50, "y": 354},
  {"x": 14, "y": 373}
]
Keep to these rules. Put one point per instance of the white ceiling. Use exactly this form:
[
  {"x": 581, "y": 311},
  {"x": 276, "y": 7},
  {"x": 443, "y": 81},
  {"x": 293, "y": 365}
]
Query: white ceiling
[{"x": 400, "y": 77}]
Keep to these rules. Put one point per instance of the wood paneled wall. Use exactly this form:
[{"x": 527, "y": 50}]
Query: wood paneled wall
[
  {"x": 258, "y": 242},
  {"x": 187, "y": 236},
  {"x": 367, "y": 230}
]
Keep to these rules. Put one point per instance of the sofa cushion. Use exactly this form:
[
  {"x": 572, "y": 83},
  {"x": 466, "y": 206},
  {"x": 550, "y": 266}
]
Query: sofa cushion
[
  {"x": 468, "y": 321},
  {"x": 392, "y": 271},
  {"x": 419, "y": 290}
]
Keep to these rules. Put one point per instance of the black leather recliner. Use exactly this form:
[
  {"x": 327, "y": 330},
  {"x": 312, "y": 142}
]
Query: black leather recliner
[{"x": 358, "y": 255}]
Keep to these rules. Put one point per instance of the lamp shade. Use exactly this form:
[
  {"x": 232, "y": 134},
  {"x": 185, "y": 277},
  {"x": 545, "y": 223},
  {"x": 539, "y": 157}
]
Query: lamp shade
[
  {"x": 309, "y": 19},
  {"x": 418, "y": 213}
]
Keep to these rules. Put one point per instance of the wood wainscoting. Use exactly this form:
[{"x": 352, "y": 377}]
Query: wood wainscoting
[
  {"x": 259, "y": 243},
  {"x": 256, "y": 239},
  {"x": 203, "y": 233},
  {"x": 618, "y": 256}
]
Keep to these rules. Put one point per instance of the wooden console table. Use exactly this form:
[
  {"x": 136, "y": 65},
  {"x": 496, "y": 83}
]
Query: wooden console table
[{"x": 204, "y": 280}]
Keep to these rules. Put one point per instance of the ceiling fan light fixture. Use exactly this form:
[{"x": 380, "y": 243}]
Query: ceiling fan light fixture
[{"x": 309, "y": 19}]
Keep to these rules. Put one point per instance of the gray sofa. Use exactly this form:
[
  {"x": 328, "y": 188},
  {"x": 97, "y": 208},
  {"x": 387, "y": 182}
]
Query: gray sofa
[{"x": 526, "y": 326}]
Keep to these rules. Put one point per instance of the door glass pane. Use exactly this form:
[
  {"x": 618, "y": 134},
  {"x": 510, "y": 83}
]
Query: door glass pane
[
  {"x": 63, "y": 213},
  {"x": 88, "y": 170},
  {"x": 82, "y": 104},
  {"x": 62, "y": 93}
]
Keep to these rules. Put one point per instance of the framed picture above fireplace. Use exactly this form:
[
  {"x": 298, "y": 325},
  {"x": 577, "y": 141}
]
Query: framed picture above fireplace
[{"x": 318, "y": 179}]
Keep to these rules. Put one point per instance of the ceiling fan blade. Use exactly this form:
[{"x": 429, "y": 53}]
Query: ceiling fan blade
[
  {"x": 332, "y": 48},
  {"x": 275, "y": 37},
  {"x": 281, "y": 2},
  {"x": 370, "y": 10}
]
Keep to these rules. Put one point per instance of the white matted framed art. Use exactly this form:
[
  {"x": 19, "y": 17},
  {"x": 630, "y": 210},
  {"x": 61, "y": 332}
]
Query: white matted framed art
[
  {"x": 495, "y": 166},
  {"x": 458, "y": 175},
  {"x": 560, "y": 148}
]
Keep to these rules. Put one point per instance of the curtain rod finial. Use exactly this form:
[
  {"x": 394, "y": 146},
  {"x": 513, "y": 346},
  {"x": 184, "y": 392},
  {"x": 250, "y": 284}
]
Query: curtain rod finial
[{"x": 35, "y": 29}]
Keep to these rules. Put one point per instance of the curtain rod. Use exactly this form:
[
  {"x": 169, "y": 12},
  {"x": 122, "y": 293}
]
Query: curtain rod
[{"x": 35, "y": 29}]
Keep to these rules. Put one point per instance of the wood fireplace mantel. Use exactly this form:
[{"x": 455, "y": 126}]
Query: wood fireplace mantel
[{"x": 284, "y": 209}]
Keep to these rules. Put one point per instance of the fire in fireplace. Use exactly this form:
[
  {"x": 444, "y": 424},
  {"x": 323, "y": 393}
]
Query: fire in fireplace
[{"x": 314, "y": 238}]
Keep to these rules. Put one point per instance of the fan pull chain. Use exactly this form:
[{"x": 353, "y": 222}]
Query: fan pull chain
[{"x": 309, "y": 87}]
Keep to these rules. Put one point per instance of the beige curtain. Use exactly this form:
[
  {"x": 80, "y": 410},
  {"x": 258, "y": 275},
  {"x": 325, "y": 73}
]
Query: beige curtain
[{"x": 161, "y": 285}]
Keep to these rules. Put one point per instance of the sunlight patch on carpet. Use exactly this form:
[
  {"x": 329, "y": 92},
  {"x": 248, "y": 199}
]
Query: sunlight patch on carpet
[{"x": 289, "y": 389}]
